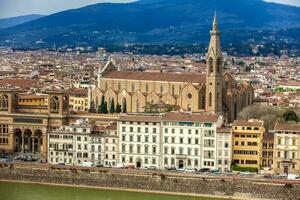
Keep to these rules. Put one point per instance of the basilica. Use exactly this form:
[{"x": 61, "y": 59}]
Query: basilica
[{"x": 216, "y": 92}]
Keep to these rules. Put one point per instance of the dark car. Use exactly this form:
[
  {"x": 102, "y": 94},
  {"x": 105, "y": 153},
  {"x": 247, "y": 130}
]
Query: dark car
[{"x": 203, "y": 170}]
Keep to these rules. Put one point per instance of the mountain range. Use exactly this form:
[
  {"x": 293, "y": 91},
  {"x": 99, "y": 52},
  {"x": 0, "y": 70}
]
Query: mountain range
[
  {"x": 159, "y": 22},
  {"x": 14, "y": 21}
]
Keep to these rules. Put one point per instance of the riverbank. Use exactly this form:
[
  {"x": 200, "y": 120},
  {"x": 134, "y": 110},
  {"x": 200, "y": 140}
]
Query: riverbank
[{"x": 155, "y": 183}]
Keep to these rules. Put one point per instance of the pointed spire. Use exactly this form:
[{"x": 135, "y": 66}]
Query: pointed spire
[{"x": 215, "y": 22}]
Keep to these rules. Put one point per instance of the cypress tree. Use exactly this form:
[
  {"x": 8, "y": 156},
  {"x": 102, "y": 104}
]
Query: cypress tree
[
  {"x": 105, "y": 111},
  {"x": 118, "y": 108},
  {"x": 102, "y": 109},
  {"x": 124, "y": 109},
  {"x": 112, "y": 106},
  {"x": 92, "y": 108}
]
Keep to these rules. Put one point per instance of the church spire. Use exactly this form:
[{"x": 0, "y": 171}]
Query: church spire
[
  {"x": 215, "y": 45},
  {"x": 214, "y": 71},
  {"x": 215, "y": 22}
]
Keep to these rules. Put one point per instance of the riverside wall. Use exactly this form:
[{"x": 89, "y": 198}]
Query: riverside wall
[{"x": 156, "y": 181}]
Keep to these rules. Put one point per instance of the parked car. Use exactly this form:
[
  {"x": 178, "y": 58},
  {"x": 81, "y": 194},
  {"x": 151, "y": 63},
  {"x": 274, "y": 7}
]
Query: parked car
[
  {"x": 190, "y": 170},
  {"x": 171, "y": 169},
  {"x": 151, "y": 168},
  {"x": 181, "y": 170},
  {"x": 99, "y": 165},
  {"x": 120, "y": 166},
  {"x": 203, "y": 170},
  {"x": 87, "y": 164}
]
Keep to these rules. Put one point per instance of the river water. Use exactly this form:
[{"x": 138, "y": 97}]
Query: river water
[{"x": 24, "y": 191}]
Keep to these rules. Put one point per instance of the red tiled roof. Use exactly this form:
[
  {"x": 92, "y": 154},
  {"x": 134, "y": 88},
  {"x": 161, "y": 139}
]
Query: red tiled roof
[
  {"x": 247, "y": 123},
  {"x": 140, "y": 118},
  {"x": 190, "y": 117},
  {"x": 78, "y": 91},
  {"x": 18, "y": 82},
  {"x": 155, "y": 76},
  {"x": 287, "y": 127}
]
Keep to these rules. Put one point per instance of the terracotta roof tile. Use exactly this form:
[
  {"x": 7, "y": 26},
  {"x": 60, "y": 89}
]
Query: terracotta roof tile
[
  {"x": 18, "y": 82},
  {"x": 287, "y": 127},
  {"x": 191, "y": 117},
  {"x": 155, "y": 76},
  {"x": 140, "y": 118},
  {"x": 247, "y": 123}
]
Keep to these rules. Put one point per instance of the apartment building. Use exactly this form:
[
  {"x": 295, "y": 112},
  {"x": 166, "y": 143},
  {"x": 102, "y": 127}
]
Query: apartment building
[
  {"x": 140, "y": 140},
  {"x": 224, "y": 148},
  {"x": 247, "y": 140},
  {"x": 69, "y": 144},
  {"x": 287, "y": 148}
]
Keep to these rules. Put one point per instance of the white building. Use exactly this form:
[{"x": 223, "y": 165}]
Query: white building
[
  {"x": 69, "y": 144},
  {"x": 140, "y": 140},
  {"x": 81, "y": 142},
  {"x": 189, "y": 140},
  {"x": 224, "y": 146},
  {"x": 104, "y": 145}
]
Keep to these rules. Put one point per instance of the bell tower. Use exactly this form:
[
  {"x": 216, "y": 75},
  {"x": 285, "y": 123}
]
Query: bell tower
[{"x": 214, "y": 72}]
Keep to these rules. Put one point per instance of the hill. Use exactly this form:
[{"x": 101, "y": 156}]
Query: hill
[
  {"x": 158, "y": 22},
  {"x": 14, "y": 21}
]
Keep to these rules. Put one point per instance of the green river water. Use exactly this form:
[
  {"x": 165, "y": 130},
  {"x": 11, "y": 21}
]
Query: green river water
[{"x": 24, "y": 191}]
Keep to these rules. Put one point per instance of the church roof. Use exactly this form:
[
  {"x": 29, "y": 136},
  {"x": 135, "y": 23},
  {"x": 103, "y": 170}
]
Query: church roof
[{"x": 157, "y": 76}]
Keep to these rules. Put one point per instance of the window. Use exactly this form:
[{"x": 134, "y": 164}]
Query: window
[{"x": 210, "y": 99}]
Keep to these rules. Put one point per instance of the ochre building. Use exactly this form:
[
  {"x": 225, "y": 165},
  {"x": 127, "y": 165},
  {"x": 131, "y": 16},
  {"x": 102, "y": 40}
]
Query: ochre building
[{"x": 216, "y": 92}]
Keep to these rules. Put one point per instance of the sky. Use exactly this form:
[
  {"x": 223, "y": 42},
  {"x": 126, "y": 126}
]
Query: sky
[{"x": 12, "y": 8}]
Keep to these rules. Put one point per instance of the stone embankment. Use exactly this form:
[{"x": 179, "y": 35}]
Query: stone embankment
[{"x": 156, "y": 181}]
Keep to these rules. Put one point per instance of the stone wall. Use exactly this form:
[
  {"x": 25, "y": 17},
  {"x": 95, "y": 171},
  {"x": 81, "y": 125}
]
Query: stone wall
[{"x": 228, "y": 187}]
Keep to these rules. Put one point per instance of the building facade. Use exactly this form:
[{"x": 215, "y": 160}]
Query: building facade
[
  {"x": 140, "y": 140},
  {"x": 247, "y": 140},
  {"x": 83, "y": 142},
  {"x": 224, "y": 149},
  {"x": 215, "y": 92},
  {"x": 286, "y": 148},
  {"x": 25, "y": 125},
  {"x": 267, "y": 154},
  {"x": 189, "y": 140}
]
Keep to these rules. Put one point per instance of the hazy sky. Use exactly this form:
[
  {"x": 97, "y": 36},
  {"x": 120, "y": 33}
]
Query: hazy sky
[{"x": 11, "y": 8}]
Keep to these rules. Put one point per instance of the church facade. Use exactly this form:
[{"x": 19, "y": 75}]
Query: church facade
[{"x": 216, "y": 92}]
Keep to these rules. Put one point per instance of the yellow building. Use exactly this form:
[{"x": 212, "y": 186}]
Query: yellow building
[
  {"x": 32, "y": 100},
  {"x": 216, "y": 92},
  {"x": 78, "y": 99},
  {"x": 247, "y": 140}
]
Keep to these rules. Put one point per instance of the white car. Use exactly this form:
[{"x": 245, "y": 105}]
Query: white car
[
  {"x": 189, "y": 170},
  {"x": 181, "y": 170}
]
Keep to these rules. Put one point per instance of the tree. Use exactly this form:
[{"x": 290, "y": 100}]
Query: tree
[
  {"x": 124, "y": 109},
  {"x": 150, "y": 108},
  {"x": 105, "y": 111},
  {"x": 102, "y": 104},
  {"x": 99, "y": 109},
  {"x": 92, "y": 108},
  {"x": 270, "y": 115},
  {"x": 290, "y": 115},
  {"x": 118, "y": 108},
  {"x": 112, "y": 106}
]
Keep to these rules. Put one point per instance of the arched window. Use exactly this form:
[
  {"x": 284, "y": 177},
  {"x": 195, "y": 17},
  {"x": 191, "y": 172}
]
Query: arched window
[
  {"x": 54, "y": 104},
  {"x": 210, "y": 65},
  {"x": 147, "y": 87},
  {"x": 161, "y": 89},
  {"x": 4, "y": 102},
  {"x": 132, "y": 87},
  {"x": 210, "y": 99},
  {"x": 119, "y": 86}
]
